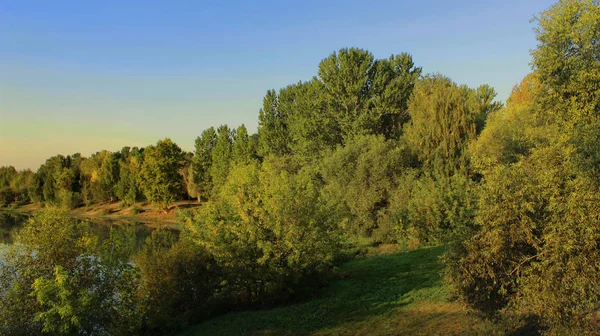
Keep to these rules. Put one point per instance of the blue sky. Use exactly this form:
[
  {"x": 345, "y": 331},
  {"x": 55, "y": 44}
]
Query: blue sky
[{"x": 81, "y": 76}]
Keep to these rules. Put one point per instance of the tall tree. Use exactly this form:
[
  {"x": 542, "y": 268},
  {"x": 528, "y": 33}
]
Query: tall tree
[
  {"x": 272, "y": 127},
  {"x": 393, "y": 85},
  {"x": 442, "y": 123},
  {"x": 201, "y": 163},
  {"x": 221, "y": 157},
  {"x": 161, "y": 180},
  {"x": 242, "y": 150},
  {"x": 567, "y": 59}
]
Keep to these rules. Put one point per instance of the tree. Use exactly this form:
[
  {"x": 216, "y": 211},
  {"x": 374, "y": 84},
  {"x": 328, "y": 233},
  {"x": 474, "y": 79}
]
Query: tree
[
  {"x": 368, "y": 96},
  {"x": 160, "y": 178},
  {"x": 311, "y": 129},
  {"x": 127, "y": 189},
  {"x": 566, "y": 59},
  {"x": 201, "y": 163},
  {"x": 442, "y": 124},
  {"x": 179, "y": 282},
  {"x": 360, "y": 178},
  {"x": 393, "y": 86},
  {"x": 221, "y": 157},
  {"x": 537, "y": 225},
  {"x": 272, "y": 127},
  {"x": 241, "y": 150},
  {"x": 268, "y": 232},
  {"x": 58, "y": 279}
]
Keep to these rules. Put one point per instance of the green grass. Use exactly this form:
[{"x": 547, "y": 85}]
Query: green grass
[{"x": 394, "y": 294}]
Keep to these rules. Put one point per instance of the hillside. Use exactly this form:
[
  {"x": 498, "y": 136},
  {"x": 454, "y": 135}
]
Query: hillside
[{"x": 393, "y": 294}]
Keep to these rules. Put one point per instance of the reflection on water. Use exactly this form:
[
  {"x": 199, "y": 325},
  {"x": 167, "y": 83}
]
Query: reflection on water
[{"x": 10, "y": 223}]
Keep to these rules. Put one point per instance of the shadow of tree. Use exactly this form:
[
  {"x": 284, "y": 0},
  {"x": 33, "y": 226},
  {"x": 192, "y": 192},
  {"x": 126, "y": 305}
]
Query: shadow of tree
[{"x": 368, "y": 287}]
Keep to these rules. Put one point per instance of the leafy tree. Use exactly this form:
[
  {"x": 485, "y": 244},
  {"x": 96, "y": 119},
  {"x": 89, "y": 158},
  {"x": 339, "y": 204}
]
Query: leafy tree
[
  {"x": 127, "y": 189},
  {"x": 354, "y": 94},
  {"x": 311, "y": 129},
  {"x": 533, "y": 251},
  {"x": 241, "y": 150},
  {"x": 221, "y": 157},
  {"x": 566, "y": 59},
  {"x": 54, "y": 281},
  {"x": 14, "y": 185},
  {"x": 360, "y": 177},
  {"x": 347, "y": 76},
  {"x": 442, "y": 124},
  {"x": 179, "y": 282},
  {"x": 368, "y": 96},
  {"x": 268, "y": 231},
  {"x": 201, "y": 163},
  {"x": 160, "y": 178},
  {"x": 272, "y": 127},
  {"x": 484, "y": 104},
  {"x": 392, "y": 87}
]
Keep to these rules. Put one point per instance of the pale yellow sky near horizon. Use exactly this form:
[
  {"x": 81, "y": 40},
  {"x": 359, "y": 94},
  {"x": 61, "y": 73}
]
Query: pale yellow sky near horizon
[{"x": 28, "y": 145}]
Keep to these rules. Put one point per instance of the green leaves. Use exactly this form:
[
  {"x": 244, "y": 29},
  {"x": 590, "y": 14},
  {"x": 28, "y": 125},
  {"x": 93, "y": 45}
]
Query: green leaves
[
  {"x": 567, "y": 60},
  {"x": 57, "y": 279},
  {"x": 161, "y": 180},
  {"x": 268, "y": 230}
]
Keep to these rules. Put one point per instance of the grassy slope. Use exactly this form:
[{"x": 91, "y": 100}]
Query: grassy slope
[{"x": 395, "y": 294}]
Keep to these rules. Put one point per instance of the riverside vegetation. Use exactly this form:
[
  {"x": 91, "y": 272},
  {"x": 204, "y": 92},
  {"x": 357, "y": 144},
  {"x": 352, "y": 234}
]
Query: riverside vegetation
[{"x": 369, "y": 151}]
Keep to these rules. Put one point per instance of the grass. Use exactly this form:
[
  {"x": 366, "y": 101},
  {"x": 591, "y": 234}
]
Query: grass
[{"x": 393, "y": 294}]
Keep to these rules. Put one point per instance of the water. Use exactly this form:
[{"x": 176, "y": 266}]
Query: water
[{"x": 11, "y": 222}]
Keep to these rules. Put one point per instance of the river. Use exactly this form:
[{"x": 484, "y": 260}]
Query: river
[{"x": 11, "y": 222}]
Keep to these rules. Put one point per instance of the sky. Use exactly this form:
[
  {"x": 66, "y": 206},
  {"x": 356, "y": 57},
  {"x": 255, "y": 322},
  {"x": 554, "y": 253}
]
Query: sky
[{"x": 82, "y": 76}]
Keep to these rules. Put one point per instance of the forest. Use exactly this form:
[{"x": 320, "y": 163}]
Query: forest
[{"x": 368, "y": 150}]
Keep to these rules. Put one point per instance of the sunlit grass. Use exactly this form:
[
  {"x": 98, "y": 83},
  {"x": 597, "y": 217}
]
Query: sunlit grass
[{"x": 392, "y": 294}]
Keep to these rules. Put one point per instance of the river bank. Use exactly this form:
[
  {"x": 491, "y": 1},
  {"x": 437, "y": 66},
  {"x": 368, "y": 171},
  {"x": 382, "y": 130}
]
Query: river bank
[{"x": 141, "y": 212}]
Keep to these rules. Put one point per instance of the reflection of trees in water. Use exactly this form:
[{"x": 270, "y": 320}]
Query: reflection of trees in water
[
  {"x": 136, "y": 231},
  {"x": 5, "y": 236},
  {"x": 9, "y": 222}
]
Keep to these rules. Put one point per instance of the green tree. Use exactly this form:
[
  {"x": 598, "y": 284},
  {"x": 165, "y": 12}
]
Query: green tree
[
  {"x": 179, "y": 282},
  {"x": 360, "y": 178},
  {"x": 127, "y": 189},
  {"x": 272, "y": 127},
  {"x": 242, "y": 148},
  {"x": 221, "y": 157},
  {"x": 160, "y": 178},
  {"x": 268, "y": 231},
  {"x": 566, "y": 59},
  {"x": 201, "y": 163},
  {"x": 58, "y": 279},
  {"x": 442, "y": 124}
]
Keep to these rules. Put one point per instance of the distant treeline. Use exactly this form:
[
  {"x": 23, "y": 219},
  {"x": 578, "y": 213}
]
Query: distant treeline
[{"x": 374, "y": 149}]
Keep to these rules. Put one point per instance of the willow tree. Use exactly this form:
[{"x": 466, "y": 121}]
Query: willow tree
[{"x": 443, "y": 122}]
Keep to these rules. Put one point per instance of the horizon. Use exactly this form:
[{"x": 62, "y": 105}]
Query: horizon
[{"x": 81, "y": 78}]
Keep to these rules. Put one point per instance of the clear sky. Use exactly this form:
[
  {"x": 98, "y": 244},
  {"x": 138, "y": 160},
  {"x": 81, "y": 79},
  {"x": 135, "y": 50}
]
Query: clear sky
[{"x": 81, "y": 76}]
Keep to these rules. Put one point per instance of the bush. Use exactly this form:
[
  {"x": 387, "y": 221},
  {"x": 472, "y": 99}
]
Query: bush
[
  {"x": 179, "y": 281},
  {"x": 269, "y": 232},
  {"x": 359, "y": 180},
  {"x": 57, "y": 279}
]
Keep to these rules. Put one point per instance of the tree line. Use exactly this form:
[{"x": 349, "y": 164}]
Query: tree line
[{"x": 374, "y": 149}]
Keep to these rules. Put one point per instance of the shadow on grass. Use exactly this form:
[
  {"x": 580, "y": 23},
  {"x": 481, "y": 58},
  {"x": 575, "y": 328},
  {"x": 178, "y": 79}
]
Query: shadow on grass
[{"x": 368, "y": 288}]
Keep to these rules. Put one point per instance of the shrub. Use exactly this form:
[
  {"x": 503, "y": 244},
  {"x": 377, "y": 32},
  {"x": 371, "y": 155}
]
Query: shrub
[{"x": 269, "y": 232}]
